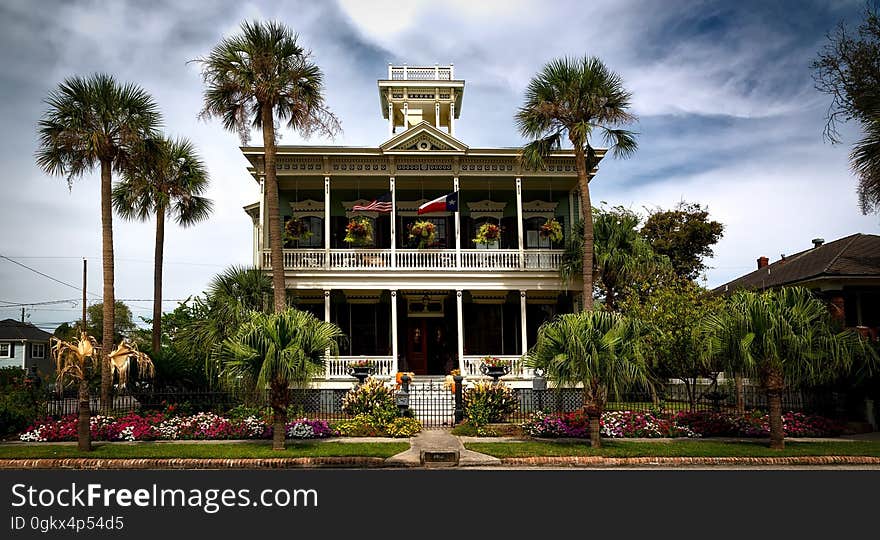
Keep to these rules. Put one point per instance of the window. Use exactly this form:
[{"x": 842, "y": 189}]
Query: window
[
  {"x": 315, "y": 226},
  {"x": 38, "y": 350},
  {"x": 479, "y": 223},
  {"x": 5, "y": 350},
  {"x": 439, "y": 232},
  {"x": 533, "y": 238}
]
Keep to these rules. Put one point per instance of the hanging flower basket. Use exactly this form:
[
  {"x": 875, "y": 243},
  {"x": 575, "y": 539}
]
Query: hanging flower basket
[
  {"x": 488, "y": 233},
  {"x": 358, "y": 232},
  {"x": 551, "y": 230},
  {"x": 423, "y": 232},
  {"x": 296, "y": 229}
]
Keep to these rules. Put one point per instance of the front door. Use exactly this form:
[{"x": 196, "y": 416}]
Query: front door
[{"x": 417, "y": 346}]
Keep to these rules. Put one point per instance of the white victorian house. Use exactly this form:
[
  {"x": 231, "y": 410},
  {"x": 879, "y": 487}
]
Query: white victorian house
[{"x": 423, "y": 309}]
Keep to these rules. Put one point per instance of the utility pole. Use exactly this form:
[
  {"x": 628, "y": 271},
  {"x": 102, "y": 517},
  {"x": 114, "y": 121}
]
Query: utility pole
[{"x": 22, "y": 314}]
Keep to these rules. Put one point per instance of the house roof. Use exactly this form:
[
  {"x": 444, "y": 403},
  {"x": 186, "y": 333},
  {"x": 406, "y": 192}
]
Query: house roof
[
  {"x": 857, "y": 255},
  {"x": 10, "y": 329}
]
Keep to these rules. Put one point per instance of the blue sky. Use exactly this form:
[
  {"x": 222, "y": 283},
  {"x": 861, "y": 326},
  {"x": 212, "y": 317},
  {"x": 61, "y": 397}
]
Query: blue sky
[{"x": 728, "y": 117}]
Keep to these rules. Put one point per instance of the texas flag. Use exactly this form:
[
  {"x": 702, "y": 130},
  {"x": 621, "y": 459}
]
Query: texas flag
[{"x": 446, "y": 203}]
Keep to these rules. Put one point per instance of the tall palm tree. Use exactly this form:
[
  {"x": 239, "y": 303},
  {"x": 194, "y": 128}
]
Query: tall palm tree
[
  {"x": 168, "y": 179},
  {"x": 253, "y": 79},
  {"x": 782, "y": 338},
  {"x": 600, "y": 350},
  {"x": 96, "y": 121},
  {"x": 278, "y": 351},
  {"x": 575, "y": 97}
]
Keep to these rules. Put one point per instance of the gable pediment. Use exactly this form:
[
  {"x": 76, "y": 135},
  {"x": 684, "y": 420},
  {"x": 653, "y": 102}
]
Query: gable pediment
[{"x": 422, "y": 138}]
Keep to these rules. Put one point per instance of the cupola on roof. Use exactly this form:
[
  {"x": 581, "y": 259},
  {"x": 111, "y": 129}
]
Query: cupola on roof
[{"x": 413, "y": 94}]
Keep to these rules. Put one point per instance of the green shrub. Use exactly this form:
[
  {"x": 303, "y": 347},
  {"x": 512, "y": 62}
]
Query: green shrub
[
  {"x": 403, "y": 427},
  {"x": 18, "y": 406},
  {"x": 362, "y": 425},
  {"x": 488, "y": 402},
  {"x": 372, "y": 398}
]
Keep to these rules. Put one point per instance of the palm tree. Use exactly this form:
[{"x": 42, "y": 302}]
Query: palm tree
[
  {"x": 229, "y": 301},
  {"x": 95, "y": 121},
  {"x": 865, "y": 157},
  {"x": 575, "y": 97},
  {"x": 781, "y": 338},
  {"x": 278, "y": 351},
  {"x": 73, "y": 362},
  {"x": 253, "y": 79},
  {"x": 599, "y": 350},
  {"x": 620, "y": 254},
  {"x": 167, "y": 179}
]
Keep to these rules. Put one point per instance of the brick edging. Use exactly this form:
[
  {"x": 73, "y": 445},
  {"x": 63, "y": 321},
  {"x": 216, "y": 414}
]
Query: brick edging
[
  {"x": 600, "y": 461},
  {"x": 193, "y": 463}
]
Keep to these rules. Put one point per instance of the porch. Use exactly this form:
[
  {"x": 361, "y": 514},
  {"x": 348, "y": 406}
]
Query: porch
[{"x": 431, "y": 332}]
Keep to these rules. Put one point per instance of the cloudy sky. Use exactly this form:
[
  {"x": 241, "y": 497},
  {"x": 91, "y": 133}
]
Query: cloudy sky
[{"x": 728, "y": 117}]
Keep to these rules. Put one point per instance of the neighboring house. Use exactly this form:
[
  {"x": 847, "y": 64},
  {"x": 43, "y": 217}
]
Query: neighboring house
[
  {"x": 24, "y": 345},
  {"x": 440, "y": 307},
  {"x": 845, "y": 273}
]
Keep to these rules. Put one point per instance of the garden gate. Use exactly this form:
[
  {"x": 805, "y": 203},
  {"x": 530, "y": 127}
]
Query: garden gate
[{"x": 432, "y": 403}]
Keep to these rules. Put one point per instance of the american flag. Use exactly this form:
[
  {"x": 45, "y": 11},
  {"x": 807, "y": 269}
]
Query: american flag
[{"x": 379, "y": 204}]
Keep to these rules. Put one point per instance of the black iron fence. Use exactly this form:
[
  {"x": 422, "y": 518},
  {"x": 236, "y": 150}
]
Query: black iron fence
[
  {"x": 434, "y": 404},
  {"x": 675, "y": 397},
  {"x": 321, "y": 404}
]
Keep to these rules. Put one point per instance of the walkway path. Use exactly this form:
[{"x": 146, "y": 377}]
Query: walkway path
[{"x": 440, "y": 445}]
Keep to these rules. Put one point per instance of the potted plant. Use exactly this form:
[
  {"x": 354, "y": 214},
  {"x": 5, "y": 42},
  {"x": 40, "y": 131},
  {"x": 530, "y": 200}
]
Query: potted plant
[
  {"x": 494, "y": 367},
  {"x": 360, "y": 369},
  {"x": 488, "y": 233},
  {"x": 295, "y": 230},
  {"x": 423, "y": 232},
  {"x": 359, "y": 231},
  {"x": 551, "y": 230}
]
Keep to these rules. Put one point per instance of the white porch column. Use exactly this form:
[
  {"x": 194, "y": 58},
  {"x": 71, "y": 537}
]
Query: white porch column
[
  {"x": 327, "y": 222},
  {"x": 522, "y": 314},
  {"x": 437, "y": 114},
  {"x": 394, "y": 351},
  {"x": 327, "y": 320},
  {"x": 393, "y": 223},
  {"x": 260, "y": 227},
  {"x": 459, "y": 308},
  {"x": 457, "y": 225},
  {"x": 405, "y": 115},
  {"x": 519, "y": 221}
]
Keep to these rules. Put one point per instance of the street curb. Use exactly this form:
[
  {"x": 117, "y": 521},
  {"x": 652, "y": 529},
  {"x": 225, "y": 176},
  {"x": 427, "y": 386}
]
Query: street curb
[
  {"x": 599, "y": 461},
  {"x": 195, "y": 463}
]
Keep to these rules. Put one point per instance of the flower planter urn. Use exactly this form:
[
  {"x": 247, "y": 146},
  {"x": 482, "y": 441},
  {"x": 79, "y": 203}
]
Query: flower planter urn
[
  {"x": 495, "y": 372},
  {"x": 360, "y": 373}
]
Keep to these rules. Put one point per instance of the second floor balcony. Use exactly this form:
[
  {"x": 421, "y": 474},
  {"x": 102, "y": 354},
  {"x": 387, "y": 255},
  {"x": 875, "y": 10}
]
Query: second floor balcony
[{"x": 475, "y": 260}]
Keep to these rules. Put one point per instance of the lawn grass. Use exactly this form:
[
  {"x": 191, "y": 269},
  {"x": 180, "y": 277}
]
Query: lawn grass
[
  {"x": 210, "y": 450},
  {"x": 686, "y": 448}
]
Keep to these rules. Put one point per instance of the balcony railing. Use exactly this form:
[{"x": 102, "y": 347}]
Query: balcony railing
[
  {"x": 481, "y": 260},
  {"x": 337, "y": 366},
  {"x": 420, "y": 73},
  {"x": 470, "y": 367}
]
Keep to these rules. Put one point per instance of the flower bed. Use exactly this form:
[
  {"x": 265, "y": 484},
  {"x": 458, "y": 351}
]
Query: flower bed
[
  {"x": 629, "y": 424},
  {"x": 201, "y": 426}
]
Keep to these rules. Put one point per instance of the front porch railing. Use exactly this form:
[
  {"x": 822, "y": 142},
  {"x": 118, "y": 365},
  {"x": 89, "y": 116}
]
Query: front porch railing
[
  {"x": 470, "y": 367},
  {"x": 482, "y": 260},
  {"x": 337, "y": 366}
]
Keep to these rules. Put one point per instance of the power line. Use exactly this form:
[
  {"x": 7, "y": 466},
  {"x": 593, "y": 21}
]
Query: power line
[{"x": 46, "y": 275}]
